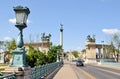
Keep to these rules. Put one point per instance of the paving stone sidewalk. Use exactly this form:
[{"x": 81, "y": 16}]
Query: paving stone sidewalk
[{"x": 66, "y": 72}]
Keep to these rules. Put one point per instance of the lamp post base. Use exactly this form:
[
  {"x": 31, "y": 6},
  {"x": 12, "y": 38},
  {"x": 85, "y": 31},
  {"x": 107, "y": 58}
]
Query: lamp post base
[
  {"x": 21, "y": 72},
  {"x": 19, "y": 58}
]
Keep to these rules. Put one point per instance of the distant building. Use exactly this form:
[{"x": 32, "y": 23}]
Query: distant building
[
  {"x": 43, "y": 46},
  {"x": 71, "y": 57}
]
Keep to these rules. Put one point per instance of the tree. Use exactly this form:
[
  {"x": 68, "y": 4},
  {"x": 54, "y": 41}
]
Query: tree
[
  {"x": 84, "y": 50},
  {"x": 116, "y": 42},
  {"x": 75, "y": 54},
  {"x": 12, "y": 45},
  {"x": 31, "y": 58},
  {"x": 41, "y": 58},
  {"x": 35, "y": 57},
  {"x": 52, "y": 53},
  {"x": 83, "y": 53}
]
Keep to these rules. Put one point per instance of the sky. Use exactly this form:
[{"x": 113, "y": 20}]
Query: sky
[{"x": 79, "y": 18}]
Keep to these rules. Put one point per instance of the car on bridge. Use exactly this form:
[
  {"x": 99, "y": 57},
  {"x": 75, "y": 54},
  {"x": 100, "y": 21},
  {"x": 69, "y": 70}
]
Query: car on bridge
[{"x": 79, "y": 63}]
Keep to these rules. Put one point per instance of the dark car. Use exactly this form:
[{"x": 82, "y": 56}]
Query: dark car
[{"x": 79, "y": 63}]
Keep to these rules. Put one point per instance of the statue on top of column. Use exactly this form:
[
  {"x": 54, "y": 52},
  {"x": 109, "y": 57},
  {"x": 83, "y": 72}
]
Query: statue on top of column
[
  {"x": 45, "y": 37},
  {"x": 91, "y": 39}
]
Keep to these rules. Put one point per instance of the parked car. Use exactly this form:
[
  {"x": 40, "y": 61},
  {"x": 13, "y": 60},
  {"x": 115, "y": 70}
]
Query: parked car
[{"x": 79, "y": 63}]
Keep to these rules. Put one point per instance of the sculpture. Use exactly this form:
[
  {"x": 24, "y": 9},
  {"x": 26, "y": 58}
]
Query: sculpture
[
  {"x": 91, "y": 39},
  {"x": 45, "y": 38}
]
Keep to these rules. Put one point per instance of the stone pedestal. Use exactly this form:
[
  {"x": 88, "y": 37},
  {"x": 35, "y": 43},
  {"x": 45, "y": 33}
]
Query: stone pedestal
[
  {"x": 19, "y": 58},
  {"x": 21, "y": 72},
  {"x": 90, "y": 61},
  {"x": 91, "y": 50}
]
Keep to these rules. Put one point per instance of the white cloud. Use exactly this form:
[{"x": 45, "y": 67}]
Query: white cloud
[
  {"x": 8, "y": 39},
  {"x": 111, "y": 31},
  {"x": 28, "y": 21},
  {"x": 13, "y": 21}
]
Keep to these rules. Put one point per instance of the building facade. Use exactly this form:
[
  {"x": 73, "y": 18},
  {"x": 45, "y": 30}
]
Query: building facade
[{"x": 43, "y": 46}]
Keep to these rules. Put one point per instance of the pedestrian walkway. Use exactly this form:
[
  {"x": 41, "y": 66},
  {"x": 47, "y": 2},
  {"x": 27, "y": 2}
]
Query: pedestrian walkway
[
  {"x": 110, "y": 65},
  {"x": 66, "y": 72}
]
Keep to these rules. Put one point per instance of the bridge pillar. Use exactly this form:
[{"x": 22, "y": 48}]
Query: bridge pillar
[{"x": 91, "y": 50}]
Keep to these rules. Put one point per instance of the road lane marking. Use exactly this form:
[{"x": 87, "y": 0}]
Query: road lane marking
[
  {"x": 87, "y": 74},
  {"x": 109, "y": 71}
]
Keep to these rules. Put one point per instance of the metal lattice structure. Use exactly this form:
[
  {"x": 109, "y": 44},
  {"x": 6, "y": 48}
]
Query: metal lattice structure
[
  {"x": 44, "y": 70},
  {"x": 10, "y": 76}
]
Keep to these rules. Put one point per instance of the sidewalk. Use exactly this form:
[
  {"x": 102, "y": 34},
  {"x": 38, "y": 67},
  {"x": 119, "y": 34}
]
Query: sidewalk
[
  {"x": 66, "y": 72},
  {"x": 109, "y": 66}
]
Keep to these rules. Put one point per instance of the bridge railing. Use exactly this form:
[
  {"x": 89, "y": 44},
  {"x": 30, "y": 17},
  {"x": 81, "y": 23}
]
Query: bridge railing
[
  {"x": 44, "y": 70},
  {"x": 37, "y": 72},
  {"x": 9, "y": 76}
]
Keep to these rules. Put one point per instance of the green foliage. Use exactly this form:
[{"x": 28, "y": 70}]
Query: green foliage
[
  {"x": 51, "y": 56},
  {"x": 116, "y": 42},
  {"x": 75, "y": 54},
  {"x": 31, "y": 56},
  {"x": 1, "y": 74},
  {"x": 41, "y": 58},
  {"x": 12, "y": 45},
  {"x": 52, "y": 53},
  {"x": 84, "y": 50},
  {"x": 36, "y": 57}
]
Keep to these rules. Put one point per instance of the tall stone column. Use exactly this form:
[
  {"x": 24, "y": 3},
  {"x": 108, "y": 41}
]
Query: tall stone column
[
  {"x": 61, "y": 35},
  {"x": 61, "y": 40}
]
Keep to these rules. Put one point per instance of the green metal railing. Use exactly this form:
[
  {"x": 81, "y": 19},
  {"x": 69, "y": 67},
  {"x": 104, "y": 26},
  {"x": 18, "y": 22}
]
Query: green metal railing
[
  {"x": 44, "y": 70},
  {"x": 10, "y": 76},
  {"x": 37, "y": 72}
]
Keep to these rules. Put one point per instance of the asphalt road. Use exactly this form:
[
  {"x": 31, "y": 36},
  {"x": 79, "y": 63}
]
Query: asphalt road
[
  {"x": 81, "y": 74},
  {"x": 95, "y": 72}
]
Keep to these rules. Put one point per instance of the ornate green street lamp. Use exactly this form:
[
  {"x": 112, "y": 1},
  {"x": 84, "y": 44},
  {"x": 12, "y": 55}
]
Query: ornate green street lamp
[{"x": 19, "y": 56}]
